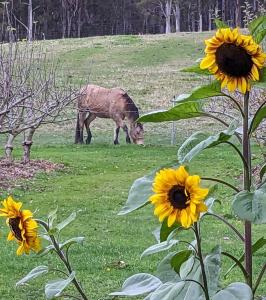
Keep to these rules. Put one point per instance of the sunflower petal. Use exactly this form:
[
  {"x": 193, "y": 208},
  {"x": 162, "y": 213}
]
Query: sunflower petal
[{"x": 207, "y": 62}]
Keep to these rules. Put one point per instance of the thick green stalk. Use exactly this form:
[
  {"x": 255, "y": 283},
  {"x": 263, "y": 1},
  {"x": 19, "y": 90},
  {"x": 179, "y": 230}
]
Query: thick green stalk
[
  {"x": 246, "y": 187},
  {"x": 204, "y": 278}
]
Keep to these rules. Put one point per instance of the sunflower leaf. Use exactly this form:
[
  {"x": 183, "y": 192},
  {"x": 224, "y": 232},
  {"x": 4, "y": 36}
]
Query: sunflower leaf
[
  {"x": 165, "y": 272},
  {"x": 199, "y": 141},
  {"x": 163, "y": 246},
  {"x": 260, "y": 243},
  {"x": 235, "y": 291},
  {"x": 251, "y": 206},
  {"x": 36, "y": 272},
  {"x": 196, "y": 69},
  {"x": 46, "y": 250},
  {"x": 168, "y": 290},
  {"x": 138, "y": 284},
  {"x": 165, "y": 230},
  {"x": 66, "y": 222},
  {"x": 220, "y": 24},
  {"x": 54, "y": 288},
  {"x": 179, "y": 258},
  {"x": 75, "y": 240},
  {"x": 180, "y": 111},
  {"x": 206, "y": 91},
  {"x": 52, "y": 216},
  {"x": 258, "y": 118},
  {"x": 257, "y": 28}
]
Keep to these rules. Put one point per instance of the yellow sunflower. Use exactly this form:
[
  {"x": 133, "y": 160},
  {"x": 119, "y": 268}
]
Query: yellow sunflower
[
  {"x": 23, "y": 228},
  {"x": 233, "y": 58},
  {"x": 178, "y": 196}
]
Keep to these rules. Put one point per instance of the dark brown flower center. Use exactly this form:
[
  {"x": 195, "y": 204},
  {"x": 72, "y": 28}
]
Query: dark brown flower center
[
  {"x": 14, "y": 227},
  {"x": 233, "y": 60},
  {"x": 178, "y": 197}
]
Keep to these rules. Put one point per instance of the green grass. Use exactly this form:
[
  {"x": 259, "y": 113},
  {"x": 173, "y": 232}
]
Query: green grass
[{"x": 97, "y": 177}]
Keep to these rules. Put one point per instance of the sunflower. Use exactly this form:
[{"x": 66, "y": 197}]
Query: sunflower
[
  {"x": 233, "y": 58},
  {"x": 23, "y": 228},
  {"x": 178, "y": 196}
]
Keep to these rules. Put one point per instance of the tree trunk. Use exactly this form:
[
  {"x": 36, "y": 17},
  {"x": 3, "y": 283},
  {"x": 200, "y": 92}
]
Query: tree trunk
[
  {"x": 168, "y": 10},
  {"x": 238, "y": 13},
  {"x": 200, "y": 16},
  {"x": 27, "y": 146},
  {"x": 9, "y": 147},
  {"x": 223, "y": 10},
  {"x": 63, "y": 19},
  {"x": 209, "y": 19},
  {"x": 177, "y": 16},
  {"x": 30, "y": 21}
]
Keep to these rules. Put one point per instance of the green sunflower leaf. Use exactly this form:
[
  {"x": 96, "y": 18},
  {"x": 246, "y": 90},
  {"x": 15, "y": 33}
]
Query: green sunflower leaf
[
  {"x": 180, "y": 111},
  {"x": 36, "y": 272},
  {"x": 163, "y": 246},
  {"x": 179, "y": 258},
  {"x": 206, "y": 91},
  {"x": 257, "y": 28},
  {"x": 220, "y": 24},
  {"x": 165, "y": 272},
  {"x": 66, "y": 222},
  {"x": 258, "y": 118},
  {"x": 165, "y": 230},
  {"x": 54, "y": 288},
  {"x": 139, "y": 284},
  {"x": 169, "y": 290},
  {"x": 260, "y": 243},
  {"x": 52, "y": 216},
  {"x": 75, "y": 240},
  {"x": 196, "y": 69},
  {"x": 251, "y": 206},
  {"x": 199, "y": 141},
  {"x": 46, "y": 250},
  {"x": 235, "y": 291}
]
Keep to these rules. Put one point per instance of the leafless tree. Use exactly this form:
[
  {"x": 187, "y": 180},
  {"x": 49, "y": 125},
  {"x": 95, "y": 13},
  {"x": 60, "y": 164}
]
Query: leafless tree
[
  {"x": 31, "y": 93},
  {"x": 166, "y": 8}
]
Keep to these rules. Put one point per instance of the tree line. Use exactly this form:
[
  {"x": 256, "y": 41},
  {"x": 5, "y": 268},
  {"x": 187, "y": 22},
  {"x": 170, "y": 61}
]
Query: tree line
[{"x": 53, "y": 19}]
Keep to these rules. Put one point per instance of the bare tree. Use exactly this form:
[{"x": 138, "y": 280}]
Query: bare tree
[
  {"x": 177, "y": 14},
  {"x": 166, "y": 8},
  {"x": 30, "y": 94}
]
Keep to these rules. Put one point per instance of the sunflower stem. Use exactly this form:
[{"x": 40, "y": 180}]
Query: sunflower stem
[
  {"x": 246, "y": 187},
  {"x": 222, "y": 182},
  {"x": 63, "y": 258},
  {"x": 205, "y": 282}
]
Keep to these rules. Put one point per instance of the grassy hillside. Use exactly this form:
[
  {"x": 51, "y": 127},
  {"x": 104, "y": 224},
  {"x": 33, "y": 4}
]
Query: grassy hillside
[{"x": 97, "y": 177}]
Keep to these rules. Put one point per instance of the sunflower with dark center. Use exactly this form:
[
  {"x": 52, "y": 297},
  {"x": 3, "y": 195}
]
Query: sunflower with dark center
[
  {"x": 23, "y": 228},
  {"x": 234, "y": 59},
  {"x": 178, "y": 197}
]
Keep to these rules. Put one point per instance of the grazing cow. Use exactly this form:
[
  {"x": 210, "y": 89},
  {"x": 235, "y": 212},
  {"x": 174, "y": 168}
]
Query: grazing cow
[{"x": 95, "y": 101}]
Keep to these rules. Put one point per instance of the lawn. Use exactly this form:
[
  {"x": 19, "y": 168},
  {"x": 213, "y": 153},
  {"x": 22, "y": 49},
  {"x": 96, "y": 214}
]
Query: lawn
[{"x": 97, "y": 177}]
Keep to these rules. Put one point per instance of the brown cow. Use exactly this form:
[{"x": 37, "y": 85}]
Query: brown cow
[{"x": 95, "y": 101}]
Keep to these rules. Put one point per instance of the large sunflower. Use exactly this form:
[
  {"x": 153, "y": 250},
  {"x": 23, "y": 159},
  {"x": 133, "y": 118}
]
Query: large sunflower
[
  {"x": 178, "y": 197},
  {"x": 23, "y": 228},
  {"x": 233, "y": 58}
]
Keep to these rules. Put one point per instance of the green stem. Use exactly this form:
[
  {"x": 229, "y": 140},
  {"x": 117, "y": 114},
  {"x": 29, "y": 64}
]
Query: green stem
[
  {"x": 62, "y": 256},
  {"x": 246, "y": 187},
  {"x": 221, "y": 181},
  {"x": 205, "y": 283},
  {"x": 259, "y": 279},
  {"x": 238, "y": 263},
  {"x": 227, "y": 223}
]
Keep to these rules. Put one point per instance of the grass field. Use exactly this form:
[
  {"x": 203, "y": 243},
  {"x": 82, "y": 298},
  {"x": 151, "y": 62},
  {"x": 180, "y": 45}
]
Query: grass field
[{"x": 97, "y": 177}]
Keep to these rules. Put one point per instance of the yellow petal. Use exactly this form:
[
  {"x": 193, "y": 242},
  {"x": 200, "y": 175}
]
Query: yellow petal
[
  {"x": 255, "y": 72},
  {"x": 207, "y": 61},
  {"x": 184, "y": 218},
  {"x": 172, "y": 218},
  {"x": 231, "y": 85},
  {"x": 10, "y": 236}
]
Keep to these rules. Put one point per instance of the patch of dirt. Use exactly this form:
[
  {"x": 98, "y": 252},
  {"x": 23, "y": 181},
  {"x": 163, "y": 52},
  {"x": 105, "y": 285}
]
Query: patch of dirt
[{"x": 12, "y": 173}]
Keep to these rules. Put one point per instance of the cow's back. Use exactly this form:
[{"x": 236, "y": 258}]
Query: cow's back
[{"x": 101, "y": 101}]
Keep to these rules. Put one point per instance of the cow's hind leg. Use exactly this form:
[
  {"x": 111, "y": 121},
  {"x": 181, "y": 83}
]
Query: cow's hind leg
[
  {"x": 87, "y": 122},
  {"x": 80, "y": 126}
]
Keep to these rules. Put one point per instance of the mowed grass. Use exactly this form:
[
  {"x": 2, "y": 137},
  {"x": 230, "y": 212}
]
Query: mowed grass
[{"x": 97, "y": 177}]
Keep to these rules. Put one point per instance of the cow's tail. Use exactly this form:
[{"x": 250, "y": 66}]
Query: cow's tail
[{"x": 77, "y": 135}]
